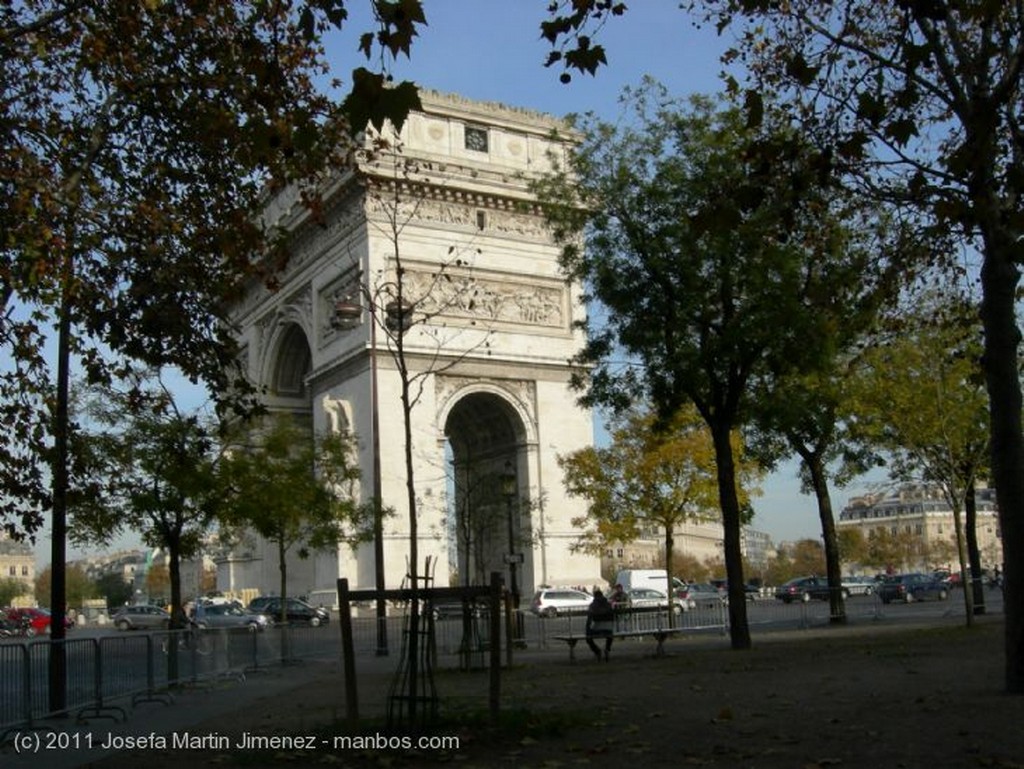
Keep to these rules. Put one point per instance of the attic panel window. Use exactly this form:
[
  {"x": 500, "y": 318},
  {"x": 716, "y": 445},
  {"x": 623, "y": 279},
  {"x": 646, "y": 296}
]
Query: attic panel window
[{"x": 476, "y": 139}]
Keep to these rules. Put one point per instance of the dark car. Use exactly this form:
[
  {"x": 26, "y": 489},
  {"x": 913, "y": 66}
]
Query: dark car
[
  {"x": 912, "y": 587},
  {"x": 259, "y": 603},
  {"x": 297, "y": 611},
  {"x": 805, "y": 589}
]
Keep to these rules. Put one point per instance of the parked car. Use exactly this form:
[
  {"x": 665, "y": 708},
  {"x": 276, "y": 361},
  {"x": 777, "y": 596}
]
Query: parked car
[
  {"x": 258, "y": 604},
  {"x": 646, "y": 597},
  {"x": 703, "y": 595},
  {"x": 141, "y": 617},
  {"x": 804, "y": 589},
  {"x": 550, "y": 602},
  {"x": 296, "y": 611},
  {"x": 228, "y": 615},
  {"x": 912, "y": 587}
]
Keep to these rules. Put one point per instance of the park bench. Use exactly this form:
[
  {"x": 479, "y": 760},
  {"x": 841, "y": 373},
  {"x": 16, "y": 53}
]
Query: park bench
[{"x": 658, "y": 634}]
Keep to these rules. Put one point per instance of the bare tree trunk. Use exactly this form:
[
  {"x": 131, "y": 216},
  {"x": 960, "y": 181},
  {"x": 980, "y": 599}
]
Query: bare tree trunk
[
  {"x": 973, "y": 551},
  {"x": 833, "y": 564},
  {"x": 1000, "y": 277},
  {"x": 670, "y": 546},
  {"x": 732, "y": 521},
  {"x": 58, "y": 545},
  {"x": 961, "y": 558}
]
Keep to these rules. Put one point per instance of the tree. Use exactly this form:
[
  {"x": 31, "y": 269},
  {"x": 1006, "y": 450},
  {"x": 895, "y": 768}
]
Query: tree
[
  {"x": 79, "y": 586},
  {"x": 159, "y": 585},
  {"x": 649, "y": 478},
  {"x": 852, "y": 547},
  {"x": 115, "y": 588},
  {"x": 294, "y": 492},
  {"x": 159, "y": 471},
  {"x": 715, "y": 265},
  {"x": 11, "y": 588},
  {"x": 918, "y": 105},
  {"x": 139, "y": 143},
  {"x": 807, "y": 556},
  {"x": 805, "y": 414},
  {"x": 920, "y": 398},
  {"x": 891, "y": 549}
]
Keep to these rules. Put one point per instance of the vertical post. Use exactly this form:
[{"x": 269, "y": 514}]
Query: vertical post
[
  {"x": 348, "y": 658},
  {"x": 378, "y": 512},
  {"x": 495, "y": 634},
  {"x": 509, "y": 489}
]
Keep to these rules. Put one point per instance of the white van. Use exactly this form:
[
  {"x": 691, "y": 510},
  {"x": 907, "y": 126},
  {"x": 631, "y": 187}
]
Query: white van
[{"x": 652, "y": 578}]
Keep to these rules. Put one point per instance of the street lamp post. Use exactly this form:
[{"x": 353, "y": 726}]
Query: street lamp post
[{"x": 509, "y": 488}]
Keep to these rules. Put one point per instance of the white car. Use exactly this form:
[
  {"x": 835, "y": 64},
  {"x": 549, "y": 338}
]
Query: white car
[
  {"x": 550, "y": 602},
  {"x": 858, "y": 586}
]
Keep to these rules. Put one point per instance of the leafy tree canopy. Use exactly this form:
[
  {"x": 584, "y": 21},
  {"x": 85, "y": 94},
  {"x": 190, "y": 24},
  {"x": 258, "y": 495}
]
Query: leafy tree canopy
[
  {"x": 648, "y": 478},
  {"x": 297, "y": 493}
]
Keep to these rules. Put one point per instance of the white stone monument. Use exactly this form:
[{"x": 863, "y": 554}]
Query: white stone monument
[{"x": 486, "y": 354}]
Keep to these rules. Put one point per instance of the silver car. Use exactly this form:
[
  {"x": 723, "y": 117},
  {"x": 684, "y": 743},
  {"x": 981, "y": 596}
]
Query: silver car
[
  {"x": 550, "y": 602},
  {"x": 228, "y": 615},
  {"x": 141, "y": 617},
  {"x": 647, "y": 597}
]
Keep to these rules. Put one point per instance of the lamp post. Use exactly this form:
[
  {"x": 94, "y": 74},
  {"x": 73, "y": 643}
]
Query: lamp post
[{"x": 508, "y": 490}]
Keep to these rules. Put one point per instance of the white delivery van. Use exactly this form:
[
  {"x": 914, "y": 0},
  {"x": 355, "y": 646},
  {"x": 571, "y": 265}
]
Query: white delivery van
[{"x": 652, "y": 578}]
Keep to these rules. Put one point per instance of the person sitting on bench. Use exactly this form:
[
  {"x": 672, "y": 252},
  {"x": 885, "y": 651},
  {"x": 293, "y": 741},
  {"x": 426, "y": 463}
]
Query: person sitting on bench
[{"x": 600, "y": 623}]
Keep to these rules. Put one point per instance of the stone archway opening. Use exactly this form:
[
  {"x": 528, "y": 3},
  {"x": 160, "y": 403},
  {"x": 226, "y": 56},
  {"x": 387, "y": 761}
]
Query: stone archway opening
[
  {"x": 291, "y": 366},
  {"x": 489, "y": 523}
]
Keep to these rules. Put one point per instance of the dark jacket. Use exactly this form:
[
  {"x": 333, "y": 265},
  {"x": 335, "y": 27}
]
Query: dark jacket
[{"x": 600, "y": 617}]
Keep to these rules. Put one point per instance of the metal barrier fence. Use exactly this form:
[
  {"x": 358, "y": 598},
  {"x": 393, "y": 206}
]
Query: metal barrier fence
[{"x": 106, "y": 674}]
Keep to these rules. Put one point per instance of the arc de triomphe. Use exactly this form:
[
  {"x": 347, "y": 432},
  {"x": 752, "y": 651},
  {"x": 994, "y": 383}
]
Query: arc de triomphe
[{"x": 487, "y": 354}]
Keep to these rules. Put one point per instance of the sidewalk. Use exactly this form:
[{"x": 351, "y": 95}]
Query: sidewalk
[
  {"x": 786, "y": 667},
  {"x": 65, "y": 744}
]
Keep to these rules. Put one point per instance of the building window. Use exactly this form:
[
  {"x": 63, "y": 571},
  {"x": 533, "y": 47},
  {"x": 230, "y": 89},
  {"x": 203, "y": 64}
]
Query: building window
[
  {"x": 476, "y": 139},
  {"x": 24, "y": 571},
  {"x": 481, "y": 220},
  {"x": 618, "y": 553},
  {"x": 12, "y": 570}
]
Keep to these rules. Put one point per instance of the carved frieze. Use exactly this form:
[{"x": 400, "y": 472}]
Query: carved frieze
[
  {"x": 488, "y": 298},
  {"x": 449, "y": 208}
]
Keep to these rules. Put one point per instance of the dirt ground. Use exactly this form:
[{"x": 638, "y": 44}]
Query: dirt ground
[{"x": 868, "y": 697}]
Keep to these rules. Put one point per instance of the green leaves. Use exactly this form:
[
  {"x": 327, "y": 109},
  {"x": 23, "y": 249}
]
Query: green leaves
[
  {"x": 374, "y": 101},
  {"x": 568, "y": 35},
  {"x": 398, "y": 22}
]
